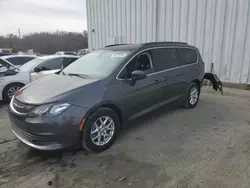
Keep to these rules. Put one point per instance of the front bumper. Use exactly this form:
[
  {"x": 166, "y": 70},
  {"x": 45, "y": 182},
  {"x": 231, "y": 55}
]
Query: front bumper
[
  {"x": 49, "y": 133},
  {"x": 46, "y": 147}
]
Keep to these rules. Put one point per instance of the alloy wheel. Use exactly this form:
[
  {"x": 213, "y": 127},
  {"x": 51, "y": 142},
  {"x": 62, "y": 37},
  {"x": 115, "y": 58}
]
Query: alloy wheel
[
  {"x": 12, "y": 90},
  {"x": 193, "y": 97},
  {"x": 102, "y": 130}
]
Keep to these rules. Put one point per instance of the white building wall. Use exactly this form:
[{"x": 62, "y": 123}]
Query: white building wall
[{"x": 219, "y": 28}]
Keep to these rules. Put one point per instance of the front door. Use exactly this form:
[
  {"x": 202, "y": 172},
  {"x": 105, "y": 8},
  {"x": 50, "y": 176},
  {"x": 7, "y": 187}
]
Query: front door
[{"x": 141, "y": 97}]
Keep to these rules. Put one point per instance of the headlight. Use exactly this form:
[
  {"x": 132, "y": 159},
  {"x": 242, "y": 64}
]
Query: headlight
[{"x": 49, "y": 110}]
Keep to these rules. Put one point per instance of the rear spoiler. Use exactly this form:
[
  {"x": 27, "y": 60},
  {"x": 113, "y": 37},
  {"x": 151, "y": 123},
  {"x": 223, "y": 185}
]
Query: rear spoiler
[{"x": 217, "y": 85}]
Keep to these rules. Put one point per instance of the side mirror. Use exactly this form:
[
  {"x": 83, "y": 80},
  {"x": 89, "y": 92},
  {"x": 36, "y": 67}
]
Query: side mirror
[
  {"x": 37, "y": 69},
  {"x": 137, "y": 75}
]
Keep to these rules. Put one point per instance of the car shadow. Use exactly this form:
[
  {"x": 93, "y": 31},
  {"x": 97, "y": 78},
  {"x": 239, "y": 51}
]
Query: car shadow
[
  {"x": 64, "y": 157},
  {"x": 136, "y": 123},
  {"x": 2, "y": 104}
]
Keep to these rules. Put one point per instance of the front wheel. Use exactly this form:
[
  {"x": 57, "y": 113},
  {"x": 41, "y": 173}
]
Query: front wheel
[
  {"x": 192, "y": 95},
  {"x": 100, "y": 130}
]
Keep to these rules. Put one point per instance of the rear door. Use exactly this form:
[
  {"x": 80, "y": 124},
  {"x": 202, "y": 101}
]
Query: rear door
[
  {"x": 49, "y": 67},
  {"x": 170, "y": 77}
]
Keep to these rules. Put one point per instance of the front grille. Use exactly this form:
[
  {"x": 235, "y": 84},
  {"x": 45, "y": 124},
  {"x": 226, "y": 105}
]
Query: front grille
[
  {"x": 31, "y": 137},
  {"x": 21, "y": 107}
]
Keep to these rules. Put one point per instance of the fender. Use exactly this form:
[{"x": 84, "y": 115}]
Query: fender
[{"x": 108, "y": 104}]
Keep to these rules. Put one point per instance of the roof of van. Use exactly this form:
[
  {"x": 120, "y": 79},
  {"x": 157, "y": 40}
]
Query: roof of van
[{"x": 131, "y": 47}]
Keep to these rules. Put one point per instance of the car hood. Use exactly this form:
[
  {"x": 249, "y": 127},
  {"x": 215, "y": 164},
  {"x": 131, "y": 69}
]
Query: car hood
[{"x": 51, "y": 88}]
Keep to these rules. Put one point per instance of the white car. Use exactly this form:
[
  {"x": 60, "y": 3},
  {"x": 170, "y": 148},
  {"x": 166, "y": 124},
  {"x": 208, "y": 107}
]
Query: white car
[
  {"x": 15, "y": 60},
  {"x": 15, "y": 78}
]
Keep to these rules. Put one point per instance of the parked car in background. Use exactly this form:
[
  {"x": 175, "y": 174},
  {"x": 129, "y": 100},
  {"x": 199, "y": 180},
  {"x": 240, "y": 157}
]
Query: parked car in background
[
  {"x": 4, "y": 54},
  {"x": 15, "y": 60},
  {"x": 15, "y": 78},
  {"x": 87, "y": 102},
  {"x": 82, "y": 52},
  {"x": 65, "y": 53}
]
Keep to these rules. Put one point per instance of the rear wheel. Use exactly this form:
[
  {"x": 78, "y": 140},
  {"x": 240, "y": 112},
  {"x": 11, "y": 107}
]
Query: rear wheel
[
  {"x": 192, "y": 96},
  {"x": 9, "y": 91},
  {"x": 100, "y": 130}
]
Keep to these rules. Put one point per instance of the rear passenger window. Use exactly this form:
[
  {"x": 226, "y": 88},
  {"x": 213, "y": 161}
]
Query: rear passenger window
[
  {"x": 165, "y": 58},
  {"x": 188, "y": 55},
  {"x": 52, "y": 64},
  {"x": 19, "y": 60}
]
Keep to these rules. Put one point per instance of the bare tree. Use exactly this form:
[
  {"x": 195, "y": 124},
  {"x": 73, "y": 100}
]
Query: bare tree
[{"x": 45, "y": 42}]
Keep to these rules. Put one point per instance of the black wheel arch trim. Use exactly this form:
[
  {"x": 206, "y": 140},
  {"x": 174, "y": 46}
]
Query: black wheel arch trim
[{"x": 107, "y": 104}]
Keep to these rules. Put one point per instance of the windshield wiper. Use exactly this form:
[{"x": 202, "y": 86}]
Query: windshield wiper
[
  {"x": 63, "y": 73},
  {"x": 80, "y": 75}
]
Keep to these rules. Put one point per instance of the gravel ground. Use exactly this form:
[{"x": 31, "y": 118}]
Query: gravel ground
[{"x": 208, "y": 146}]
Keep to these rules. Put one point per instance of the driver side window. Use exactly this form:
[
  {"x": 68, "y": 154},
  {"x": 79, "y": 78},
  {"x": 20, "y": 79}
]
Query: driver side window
[
  {"x": 52, "y": 64},
  {"x": 140, "y": 62}
]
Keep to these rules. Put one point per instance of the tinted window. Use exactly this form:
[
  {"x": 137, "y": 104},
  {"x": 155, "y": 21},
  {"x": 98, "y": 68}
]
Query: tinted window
[
  {"x": 52, "y": 64},
  {"x": 31, "y": 64},
  {"x": 2, "y": 63},
  {"x": 140, "y": 62},
  {"x": 165, "y": 58},
  {"x": 188, "y": 55},
  {"x": 19, "y": 60},
  {"x": 68, "y": 60}
]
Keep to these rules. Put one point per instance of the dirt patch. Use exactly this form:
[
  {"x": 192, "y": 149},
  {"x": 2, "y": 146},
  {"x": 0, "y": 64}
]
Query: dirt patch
[{"x": 112, "y": 171}]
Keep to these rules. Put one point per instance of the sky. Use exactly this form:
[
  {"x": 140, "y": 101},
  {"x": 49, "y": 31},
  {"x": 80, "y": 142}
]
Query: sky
[{"x": 42, "y": 15}]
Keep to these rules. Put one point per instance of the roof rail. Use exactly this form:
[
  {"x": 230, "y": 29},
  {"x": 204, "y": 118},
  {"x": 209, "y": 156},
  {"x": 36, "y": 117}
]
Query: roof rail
[
  {"x": 114, "y": 45},
  {"x": 167, "y": 43}
]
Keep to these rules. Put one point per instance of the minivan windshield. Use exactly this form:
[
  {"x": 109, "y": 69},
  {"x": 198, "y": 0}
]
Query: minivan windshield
[
  {"x": 31, "y": 64},
  {"x": 99, "y": 63}
]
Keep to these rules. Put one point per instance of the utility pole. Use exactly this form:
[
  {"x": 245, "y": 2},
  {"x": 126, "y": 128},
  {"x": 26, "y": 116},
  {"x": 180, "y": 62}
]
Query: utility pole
[{"x": 19, "y": 33}]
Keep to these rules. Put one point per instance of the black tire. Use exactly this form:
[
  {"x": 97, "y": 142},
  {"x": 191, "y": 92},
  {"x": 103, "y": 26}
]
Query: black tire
[
  {"x": 6, "y": 97},
  {"x": 187, "y": 103},
  {"x": 87, "y": 142}
]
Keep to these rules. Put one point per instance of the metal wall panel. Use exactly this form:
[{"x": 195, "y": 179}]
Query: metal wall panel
[{"x": 219, "y": 28}]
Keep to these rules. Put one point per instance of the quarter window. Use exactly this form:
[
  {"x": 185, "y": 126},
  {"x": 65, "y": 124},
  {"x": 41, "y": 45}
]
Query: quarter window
[
  {"x": 140, "y": 62},
  {"x": 188, "y": 55},
  {"x": 165, "y": 58}
]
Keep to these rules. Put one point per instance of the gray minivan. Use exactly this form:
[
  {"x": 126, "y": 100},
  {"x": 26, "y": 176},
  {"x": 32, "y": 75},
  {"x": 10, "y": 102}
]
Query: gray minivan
[{"x": 87, "y": 102}]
